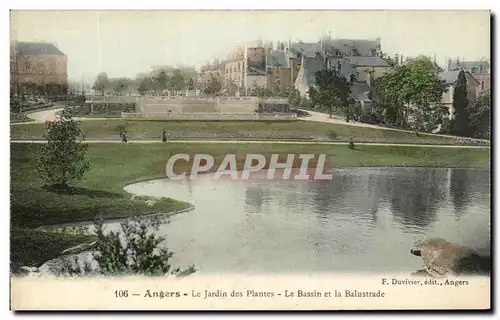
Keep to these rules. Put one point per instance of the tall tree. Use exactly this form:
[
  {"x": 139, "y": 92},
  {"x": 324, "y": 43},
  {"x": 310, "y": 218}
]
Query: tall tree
[
  {"x": 161, "y": 81},
  {"x": 177, "y": 82},
  {"x": 62, "y": 158},
  {"x": 413, "y": 89},
  {"x": 332, "y": 92},
  {"x": 213, "y": 86},
  {"x": 102, "y": 82},
  {"x": 461, "y": 121},
  {"x": 145, "y": 85}
]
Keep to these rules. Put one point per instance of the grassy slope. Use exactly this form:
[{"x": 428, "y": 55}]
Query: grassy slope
[
  {"x": 101, "y": 193},
  {"x": 153, "y": 129}
]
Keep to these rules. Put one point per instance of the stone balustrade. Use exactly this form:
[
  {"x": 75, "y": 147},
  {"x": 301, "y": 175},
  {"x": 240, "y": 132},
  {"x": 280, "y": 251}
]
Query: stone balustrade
[{"x": 212, "y": 116}]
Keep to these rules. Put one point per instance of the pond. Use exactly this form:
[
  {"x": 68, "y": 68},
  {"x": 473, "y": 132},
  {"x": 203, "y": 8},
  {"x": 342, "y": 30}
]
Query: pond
[{"x": 364, "y": 220}]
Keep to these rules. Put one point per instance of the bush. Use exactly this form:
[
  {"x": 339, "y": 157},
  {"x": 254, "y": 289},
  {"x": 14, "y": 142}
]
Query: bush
[
  {"x": 134, "y": 251},
  {"x": 332, "y": 134},
  {"x": 18, "y": 117}
]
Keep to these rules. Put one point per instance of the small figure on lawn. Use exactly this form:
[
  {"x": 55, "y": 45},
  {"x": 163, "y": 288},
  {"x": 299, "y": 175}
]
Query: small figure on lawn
[
  {"x": 351, "y": 144},
  {"x": 124, "y": 137},
  {"x": 164, "y": 136}
]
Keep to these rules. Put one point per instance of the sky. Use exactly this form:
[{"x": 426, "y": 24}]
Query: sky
[{"x": 124, "y": 43}]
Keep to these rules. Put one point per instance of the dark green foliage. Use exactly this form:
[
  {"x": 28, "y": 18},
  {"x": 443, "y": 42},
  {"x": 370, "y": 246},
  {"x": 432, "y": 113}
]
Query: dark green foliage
[
  {"x": 480, "y": 117},
  {"x": 460, "y": 124},
  {"x": 413, "y": 89},
  {"x": 332, "y": 92},
  {"x": 62, "y": 158},
  {"x": 146, "y": 85},
  {"x": 161, "y": 81},
  {"x": 136, "y": 250}
]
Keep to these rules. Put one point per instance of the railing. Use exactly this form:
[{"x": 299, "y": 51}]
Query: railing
[{"x": 211, "y": 116}]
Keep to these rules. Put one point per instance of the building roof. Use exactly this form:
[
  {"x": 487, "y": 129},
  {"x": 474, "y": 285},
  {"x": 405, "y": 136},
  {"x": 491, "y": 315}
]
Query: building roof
[
  {"x": 306, "y": 49},
  {"x": 469, "y": 65},
  {"x": 363, "y": 46},
  {"x": 450, "y": 77},
  {"x": 311, "y": 66},
  {"x": 36, "y": 48},
  {"x": 277, "y": 58},
  {"x": 359, "y": 61}
]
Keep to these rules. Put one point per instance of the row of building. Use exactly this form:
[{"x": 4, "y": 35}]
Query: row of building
[
  {"x": 40, "y": 67},
  {"x": 294, "y": 64}
]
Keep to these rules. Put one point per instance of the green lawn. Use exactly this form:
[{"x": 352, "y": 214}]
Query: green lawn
[
  {"x": 152, "y": 129},
  {"x": 113, "y": 165}
]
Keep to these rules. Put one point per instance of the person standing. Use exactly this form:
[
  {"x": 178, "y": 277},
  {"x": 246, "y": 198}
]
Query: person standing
[
  {"x": 164, "y": 136},
  {"x": 124, "y": 137}
]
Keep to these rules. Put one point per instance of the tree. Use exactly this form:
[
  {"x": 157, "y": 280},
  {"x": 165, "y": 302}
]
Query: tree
[
  {"x": 145, "y": 85},
  {"x": 102, "y": 82},
  {"x": 332, "y": 91},
  {"x": 480, "y": 117},
  {"x": 177, "y": 82},
  {"x": 62, "y": 158},
  {"x": 213, "y": 86},
  {"x": 413, "y": 89},
  {"x": 161, "y": 81},
  {"x": 121, "y": 85},
  {"x": 460, "y": 123}
]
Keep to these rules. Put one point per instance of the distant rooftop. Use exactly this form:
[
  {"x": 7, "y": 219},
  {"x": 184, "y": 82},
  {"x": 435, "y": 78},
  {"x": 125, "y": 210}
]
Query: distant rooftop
[
  {"x": 368, "y": 61},
  {"x": 35, "y": 48}
]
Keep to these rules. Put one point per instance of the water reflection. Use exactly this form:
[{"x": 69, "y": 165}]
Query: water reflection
[
  {"x": 364, "y": 219},
  {"x": 416, "y": 195}
]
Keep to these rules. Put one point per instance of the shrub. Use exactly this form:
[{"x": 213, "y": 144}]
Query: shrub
[
  {"x": 332, "y": 134},
  {"x": 135, "y": 250}
]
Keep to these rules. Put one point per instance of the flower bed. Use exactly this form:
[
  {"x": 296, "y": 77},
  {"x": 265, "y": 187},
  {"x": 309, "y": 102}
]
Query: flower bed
[{"x": 18, "y": 117}]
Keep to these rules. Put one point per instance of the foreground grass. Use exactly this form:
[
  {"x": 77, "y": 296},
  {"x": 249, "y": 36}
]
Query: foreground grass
[
  {"x": 113, "y": 165},
  {"x": 152, "y": 129}
]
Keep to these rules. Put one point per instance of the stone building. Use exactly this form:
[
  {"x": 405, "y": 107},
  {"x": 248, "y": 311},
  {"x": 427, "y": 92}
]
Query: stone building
[
  {"x": 478, "y": 69},
  {"x": 38, "y": 68},
  {"x": 243, "y": 69}
]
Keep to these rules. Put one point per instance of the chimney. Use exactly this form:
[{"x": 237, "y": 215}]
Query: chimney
[
  {"x": 378, "y": 42},
  {"x": 396, "y": 59},
  {"x": 449, "y": 64}
]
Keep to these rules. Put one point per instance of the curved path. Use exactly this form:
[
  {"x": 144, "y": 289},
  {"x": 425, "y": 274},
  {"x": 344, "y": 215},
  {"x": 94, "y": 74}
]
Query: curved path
[
  {"x": 45, "y": 115},
  {"x": 268, "y": 141},
  {"x": 322, "y": 117}
]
